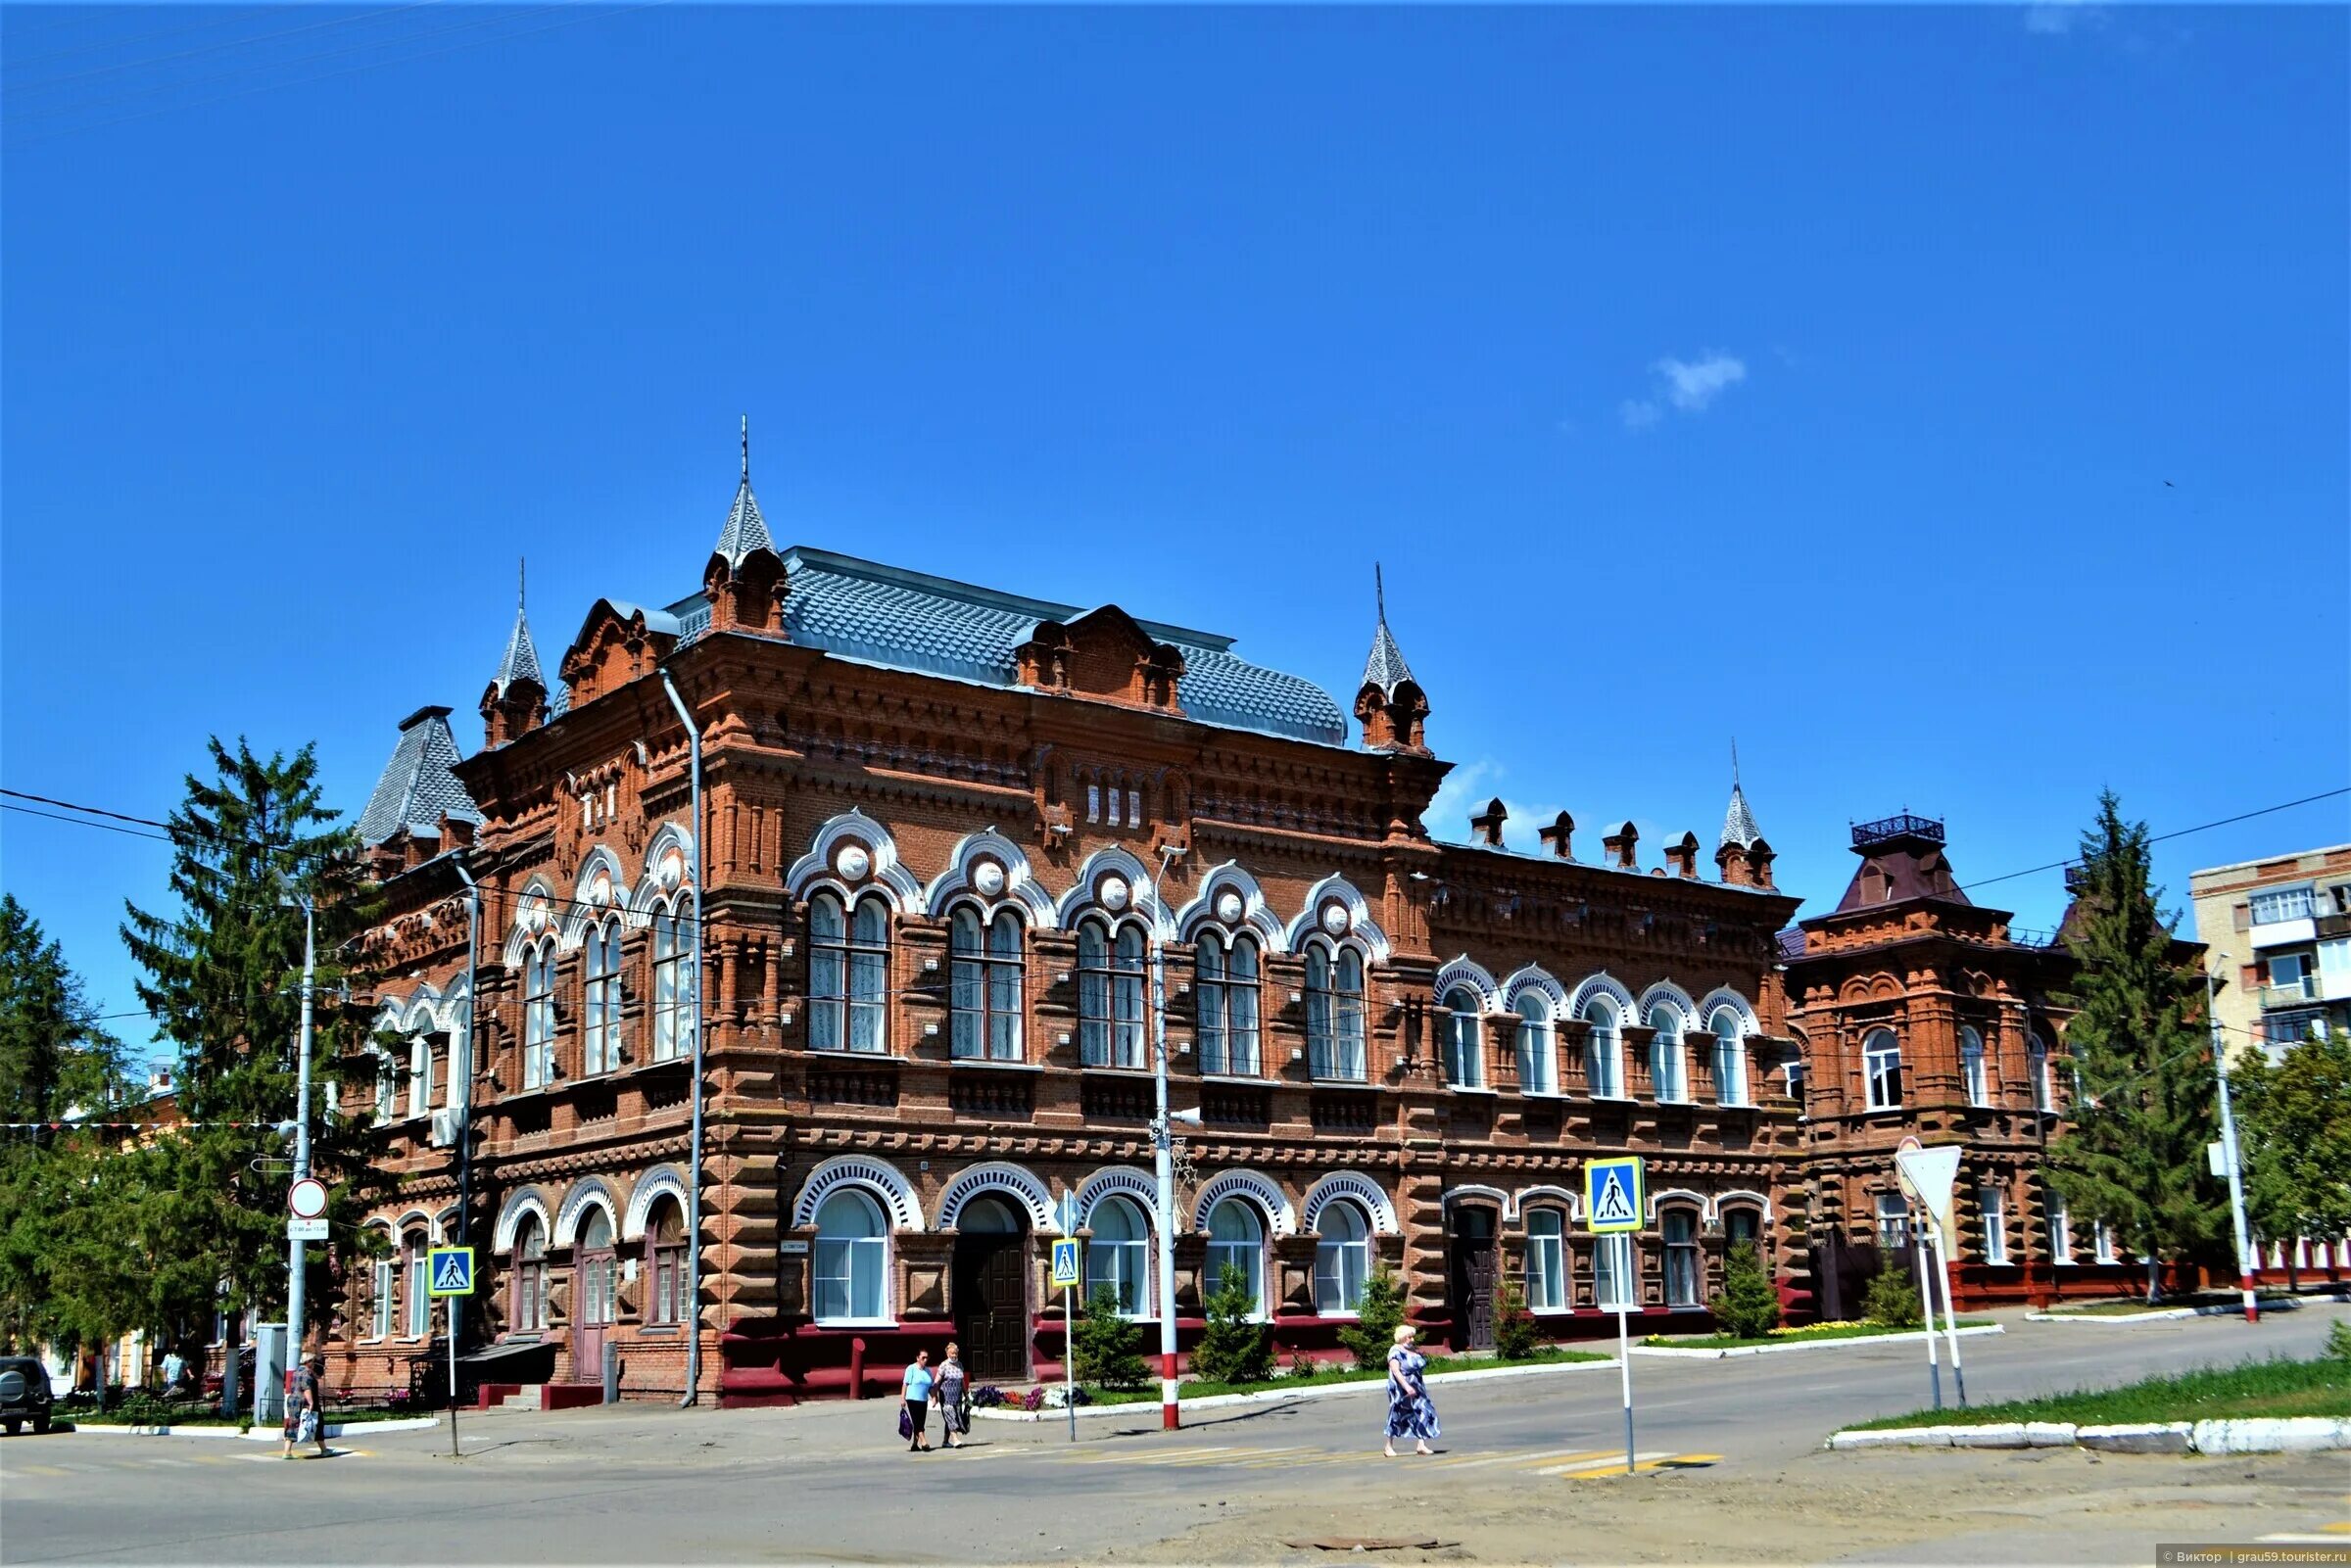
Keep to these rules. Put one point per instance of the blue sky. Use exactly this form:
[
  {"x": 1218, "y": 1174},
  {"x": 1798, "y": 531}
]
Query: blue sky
[{"x": 1812, "y": 377}]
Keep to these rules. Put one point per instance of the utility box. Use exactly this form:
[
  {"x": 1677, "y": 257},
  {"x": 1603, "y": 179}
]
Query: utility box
[{"x": 269, "y": 1373}]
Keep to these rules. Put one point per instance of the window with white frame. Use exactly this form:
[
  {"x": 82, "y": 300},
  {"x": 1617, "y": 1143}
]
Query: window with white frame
[
  {"x": 2281, "y": 904},
  {"x": 1882, "y": 1069},
  {"x": 539, "y": 1015},
  {"x": 1118, "y": 1259},
  {"x": 665, "y": 1246},
  {"x": 849, "y": 972},
  {"x": 530, "y": 1276},
  {"x": 1236, "y": 1240},
  {"x": 850, "y": 1259},
  {"x": 1743, "y": 1224},
  {"x": 1603, "y": 1051},
  {"x": 386, "y": 1290},
  {"x": 596, "y": 1268},
  {"x": 1612, "y": 1272},
  {"x": 1546, "y": 1260},
  {"x": 985, "y": 964},
  {"x": 2036, "y": 1059},
  {"x": 673, "y": 961},
  {"x": 1342, "y": 1258},
  {"x": 1667, "y": 1057},
  {"x": 2061, "y": 1228},
  {"x": 599, "y": 1029},
  {"x": 415, "y": 1251},
  {"x": 1730, "y": 1057},
  {"x": 2102, "y": 1242},
  {"x": 1226, "y": 988},
  {"x": 387, "y": 1086},
  {"x": 1110, "y": 994},
  {"x": 1992, "y": 1205},
  {"x": 1893, "y": 1220},
  {"x": 420, "y": 1074},
  {"x": 1971, "y": 1066},
  {"x": 1537, "y": 1073},
  {"x": 1464, "y": 1039},
  {"x": 1683, "y": 1271},
  {"x": 1335, "y": 1011}
]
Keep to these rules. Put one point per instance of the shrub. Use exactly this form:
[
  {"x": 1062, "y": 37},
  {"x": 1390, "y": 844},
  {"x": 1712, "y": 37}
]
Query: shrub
[
  {"x": 1232, "y": 1348},
  {"x": 1515, "y": 1332},
  {"x": 1376, "y": 1320},
  {"x": 2338, "y": 1342},
  {"x": 1107, "y": 1346},
  {"x": 1301, "y": 1364},
  {"x": 1893, "y": 1301},
  {"x": 1749, "y": 1303}
]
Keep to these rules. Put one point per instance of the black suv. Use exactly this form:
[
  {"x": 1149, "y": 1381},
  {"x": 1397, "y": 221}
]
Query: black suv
[{"x": 24, "y": 1393}]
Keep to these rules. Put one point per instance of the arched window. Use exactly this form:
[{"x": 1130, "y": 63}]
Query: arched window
[
  {"x": 415, "y": 1251},
  {"x": 1236, "y": 1241},
  {"x": 1667, "y": 1059},
  {"x": 1743, "y": 1224},
  {"x": 852, "y": 1253},
  {"x": 1110, "y": 994},
  {"x": 984, "y": 961},
  {"x": 1971, "y": 1066},
  {"x": 596, "y": 1268},
  {"x": 539, "y": 1015},
  {"x": 673, "y": 998},
  {"x": 849, "y": 973},
  {"x": 1464, "y": 1039},
  {"x": 2036, "y": 1059},
  {"x": 1546, "y": 1260},
  {"x": 1119, "y": 1259},
  {"x": 387, "y": 1089},
  {"x": 385, "y": 1280},
  {"x": 600, "y": 1035},
  {"x": 1882, "y": 1068},
  {"x": 665, "y": 1256},
  {"x": 1342, "y": 1258},
  {"x": 1730, "y": 1057},
  {"x": 1603, "y": 1051},
  {"x": 530, "y": 1276},
  {"x": 1680, "y": 1227},
  {"x": 1227, "y": 988},
  {"x": 1537, "y": 1072},
  {"x": 1335, "y": 1011},
  {"x": 420, "y": 1074}
]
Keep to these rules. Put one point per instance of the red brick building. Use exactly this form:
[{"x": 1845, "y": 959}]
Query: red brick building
[{"x": 942, "y": 828}]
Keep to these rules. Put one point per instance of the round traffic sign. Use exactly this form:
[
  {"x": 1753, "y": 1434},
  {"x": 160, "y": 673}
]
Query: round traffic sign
[
  {"x": 1902, "y": 1175},
  {"x": 307, "y": 1199}
]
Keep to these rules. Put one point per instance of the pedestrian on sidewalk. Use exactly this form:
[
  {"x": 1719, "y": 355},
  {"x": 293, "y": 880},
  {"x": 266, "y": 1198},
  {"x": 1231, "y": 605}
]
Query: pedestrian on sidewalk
[
  {"x": 1411, "y": 1413},
  {"x": 915, "y": 1387},
  {"x": 305, "y": 1416},
  {"x": 951, "y": 1391}
]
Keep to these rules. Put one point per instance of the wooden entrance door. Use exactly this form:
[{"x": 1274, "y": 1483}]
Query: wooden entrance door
[
  {"x": 1474, "y": 1275},
  {"x": 992, "y": 1291},
  {"x": 593, "y": 1309}
]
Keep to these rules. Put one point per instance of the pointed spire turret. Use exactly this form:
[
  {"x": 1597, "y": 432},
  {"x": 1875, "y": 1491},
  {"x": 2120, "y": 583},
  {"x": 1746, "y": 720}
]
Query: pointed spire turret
[
  {"x": 515, "y": 702},
  {"x": 1385, "y": 668},
  {"x": 521, "y": 662},
  {"x": 1739, "y": 821},
  {"x": 1390, "y": 702},
  {"x": 1742, "y": 852},
  {"x": 747, "y": 529}
]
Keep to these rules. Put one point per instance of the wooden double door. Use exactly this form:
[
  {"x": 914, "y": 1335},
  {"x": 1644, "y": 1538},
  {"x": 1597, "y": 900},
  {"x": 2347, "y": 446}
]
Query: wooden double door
[
  {"x": 991, "y": 1292},
  {"x": 1476, "y": 1272}
]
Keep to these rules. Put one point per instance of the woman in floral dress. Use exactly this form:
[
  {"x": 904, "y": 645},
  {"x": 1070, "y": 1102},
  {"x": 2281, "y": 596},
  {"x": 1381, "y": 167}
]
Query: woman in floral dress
[{"x": 1411, "y": 1414}]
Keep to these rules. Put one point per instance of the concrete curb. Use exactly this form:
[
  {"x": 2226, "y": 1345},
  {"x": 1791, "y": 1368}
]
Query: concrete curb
[
  {"x": 2290, "y": 1435},
  {"x": 1693, "y": 1353},
  {"x": 1313, "y": 1390},
  {"x": 262, "y": 1432},
  {"x": 2161, "y": 1314}
]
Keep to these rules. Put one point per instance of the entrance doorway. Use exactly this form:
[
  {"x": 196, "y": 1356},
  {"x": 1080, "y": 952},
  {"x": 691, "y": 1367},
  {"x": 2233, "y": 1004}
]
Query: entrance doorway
[
  {"x": 992, "y": 1290},
  {"x": 1474, "y": 1275},
  {"x": 597, "y": 1272}
]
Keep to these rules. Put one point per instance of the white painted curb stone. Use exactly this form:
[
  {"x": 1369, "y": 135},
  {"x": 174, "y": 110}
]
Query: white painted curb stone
[
  {"x": 2159, "y": 1437},
  {"x": 2162, "y": 1314},
  {"x": 1699, "y": 1354},
  {"x": 1313, "y": 1390},
  {"x": 2287, "y": 1435}
]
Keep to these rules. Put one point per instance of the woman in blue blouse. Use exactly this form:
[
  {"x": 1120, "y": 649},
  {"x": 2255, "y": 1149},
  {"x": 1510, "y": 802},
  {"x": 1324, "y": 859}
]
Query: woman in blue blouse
[{"x": 1410, "y": 1413}]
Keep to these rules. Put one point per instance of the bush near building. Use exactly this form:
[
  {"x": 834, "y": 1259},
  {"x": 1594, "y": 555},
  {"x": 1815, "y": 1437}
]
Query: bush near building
[
  {"x": 1378, "y": 1317},
  {"x": 1515, "y": 1332},
  {"x": 1232, "y": 1348},
  {"x": 1107, "y": 1346},
  {"x": 1748, "y": 1306},
  {"x": 1893, "y": 1301}
]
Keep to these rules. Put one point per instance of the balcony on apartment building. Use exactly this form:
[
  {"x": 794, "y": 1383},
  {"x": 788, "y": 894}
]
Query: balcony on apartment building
[
  {"x": 2291, "y": 992},
  {"x": 2282, "y": 918}
]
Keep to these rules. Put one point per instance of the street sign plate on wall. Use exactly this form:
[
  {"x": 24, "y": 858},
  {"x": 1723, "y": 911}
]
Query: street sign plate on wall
[{"x": 1613, "y": 1198}]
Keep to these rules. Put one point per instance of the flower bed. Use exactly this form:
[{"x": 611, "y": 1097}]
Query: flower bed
[{"x": 1793, "y": 1336}]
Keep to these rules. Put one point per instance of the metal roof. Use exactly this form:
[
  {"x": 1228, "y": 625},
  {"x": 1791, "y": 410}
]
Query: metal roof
[
  {"x": 1739, "y": 823},
  {"x": 418, "y": 788}
]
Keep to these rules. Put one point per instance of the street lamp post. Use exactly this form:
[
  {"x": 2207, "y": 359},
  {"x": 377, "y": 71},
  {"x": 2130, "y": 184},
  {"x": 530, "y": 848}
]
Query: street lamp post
[
  {"x": 2229, "y": 1151},
  {"x": 1163, "y": 1152},
  {"x": 296, "y": 1260}
]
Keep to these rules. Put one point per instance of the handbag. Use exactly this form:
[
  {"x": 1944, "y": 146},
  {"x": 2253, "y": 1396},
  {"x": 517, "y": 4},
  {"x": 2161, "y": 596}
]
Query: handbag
[
  {"x": 309, "y": 1427},
  {"x": 905, "y": 1422}
]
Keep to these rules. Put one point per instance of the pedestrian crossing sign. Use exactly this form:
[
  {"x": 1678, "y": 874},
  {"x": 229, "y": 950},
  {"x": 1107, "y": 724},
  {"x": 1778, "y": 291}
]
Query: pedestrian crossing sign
[
  {"x": 1065, "y": 1263},
  {"x": 450, "y": 1271},
  {"x": 1614, "y": 1198}
]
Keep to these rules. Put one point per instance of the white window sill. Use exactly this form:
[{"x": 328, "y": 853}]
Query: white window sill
[
  {"x": 1616, "y": 1099},
  {"x": 1470, "y": 1088},
  {"x": 1231, "y": 1077},
  {"x": 1113, "y": 1066},
  {"x": 1543, "y": 1094},
  {"x": 1343, "y": 1084},
  {"x": 856, "y": 1322},
  {"x": 1553, "y": 1311},
  {"x": 879, "y": 1052},
  {"x": 1675, "y": 1099},
  {"x": 2061, "y": 1263},
  {"x": 1340, "y": 1318},
  {"x": 994, "y": 1066}
]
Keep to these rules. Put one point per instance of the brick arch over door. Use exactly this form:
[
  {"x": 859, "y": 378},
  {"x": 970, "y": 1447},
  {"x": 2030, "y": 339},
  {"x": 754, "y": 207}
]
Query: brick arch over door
[{"x": 1000, "y": 1176}]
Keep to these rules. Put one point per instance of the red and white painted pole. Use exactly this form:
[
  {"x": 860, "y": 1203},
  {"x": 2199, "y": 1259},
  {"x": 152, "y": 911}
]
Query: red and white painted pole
[
  {"x": 1163, "y": 1157},
  {"x": 2245, "y": 1266}
]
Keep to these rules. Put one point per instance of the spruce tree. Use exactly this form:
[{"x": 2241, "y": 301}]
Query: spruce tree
[
  {"x": 2131, "y": 1152},
  {"x": 2293, "y": 1126},
  {"x": 1378, "y": 1317},
  {"x": 223, "y": 980}
]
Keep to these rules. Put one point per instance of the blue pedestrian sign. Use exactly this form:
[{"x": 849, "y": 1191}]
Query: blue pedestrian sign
[
  {"x": 1064, "y": 1263},
  {"x": 450, "y": 1271},
  {"x": 1613, "y": 1198}
]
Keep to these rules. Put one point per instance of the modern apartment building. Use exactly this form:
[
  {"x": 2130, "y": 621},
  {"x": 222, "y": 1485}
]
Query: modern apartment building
[{"x": 2280, "y": 932}]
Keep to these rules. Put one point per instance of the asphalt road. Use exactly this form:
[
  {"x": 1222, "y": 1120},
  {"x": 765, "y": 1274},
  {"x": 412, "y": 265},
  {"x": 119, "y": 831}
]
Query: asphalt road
[{"x": 831, "y": 1484}]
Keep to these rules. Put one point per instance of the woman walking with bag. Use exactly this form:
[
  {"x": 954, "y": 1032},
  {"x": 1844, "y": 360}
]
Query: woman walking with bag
[
  {"x": 951, "y": 1391},
  {"x": 1411, "y": 1411},
  {"x": 914, "y": 1415}
]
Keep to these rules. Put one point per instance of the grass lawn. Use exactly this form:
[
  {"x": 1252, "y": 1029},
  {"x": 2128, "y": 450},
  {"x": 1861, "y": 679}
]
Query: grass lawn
[
  {"x": 1825, "y": 1331},
  {"x": 1194, "y": 1388},
  {"x": 2273, "y": 1388}
]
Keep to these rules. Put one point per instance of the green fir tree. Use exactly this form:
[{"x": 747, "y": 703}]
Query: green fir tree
[
  {"x": 1232, "y": 1348},
  {"x": 1108, "y": 1347},
  {"x": 1378, "y": 1317},
  {"x": 1749, "y": 1303},
  {"x": 2130, "y": 1150}
]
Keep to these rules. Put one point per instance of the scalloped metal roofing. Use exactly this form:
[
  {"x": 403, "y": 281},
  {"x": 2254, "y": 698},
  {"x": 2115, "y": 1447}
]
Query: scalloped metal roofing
[
  {"x": 418, "y": 787},
  {"x": 1739, "y": 823},
  {"x": 908, "y": 620}
]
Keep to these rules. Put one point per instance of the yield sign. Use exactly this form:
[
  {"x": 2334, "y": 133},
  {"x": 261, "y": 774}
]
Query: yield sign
[{"x": 1929, "y": 1173}]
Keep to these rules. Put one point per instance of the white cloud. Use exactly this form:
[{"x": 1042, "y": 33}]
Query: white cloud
[{"x": 1688, "y": 386}]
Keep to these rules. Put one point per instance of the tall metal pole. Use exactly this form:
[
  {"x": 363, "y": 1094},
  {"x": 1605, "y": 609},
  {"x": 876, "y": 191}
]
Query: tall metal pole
[
  {"x": 460, "y": 1080},
  {"x": 2228, "y": 1152},
  {"x": 297, "y": 1259},
  {"x": 1162, "y": 1163},
  {"x": 694, "y": 1183}
]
